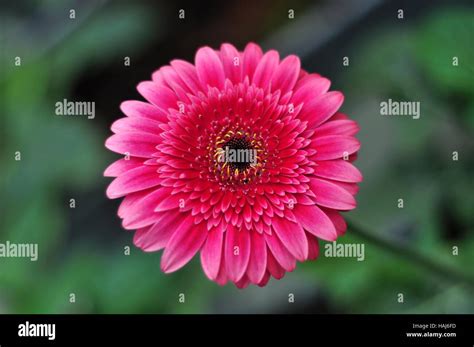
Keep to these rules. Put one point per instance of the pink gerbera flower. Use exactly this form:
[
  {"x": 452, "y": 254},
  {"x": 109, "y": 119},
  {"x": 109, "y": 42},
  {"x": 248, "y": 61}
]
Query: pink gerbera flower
[{"x": 250, "y": 217}]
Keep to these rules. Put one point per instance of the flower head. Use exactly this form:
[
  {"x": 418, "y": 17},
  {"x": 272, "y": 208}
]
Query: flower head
[{"x": 241, "y": 157}]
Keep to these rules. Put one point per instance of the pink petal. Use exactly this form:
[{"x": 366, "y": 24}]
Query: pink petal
[
  {"x": 247, "y": 213},
  {"x": 237, "y": 252},
  {"x": 286, "y": 74},
  {"x": 155, "y": 237},
  {"x": 292, "y": 236},
  {"x": 313, "y": 246},
  {"x": 304, "y": 73},
  {"x": 258, "y": 258},
  {"x": 338, "y": 116},
  {"x": 211, "y": 253},
  {"x": 310, "y": 87},
  {"x": 159, "y": 95},
  {"x": 174, "y": 82},
  {"x": 171, "y": 202},
  {"x": 137, "y": 179},
  {"x": 337, "y": 220},
  {"x": 266, "y": 69},
  {"x": 315, "y": 222},
  {"x": 242, "y": 283},
  {"x": 352, "y": 188},
  {"x": 140, "y": 125},
  {"x": 209, "y": 68},
  {"x": 183, "y": 245},
  {"x": 121, "y": 166},
  {"x": 228, "y": 55},
  {"x": 141, "y": 213},
  {"x": 130, "y": 200},
  {"x": 135, "y": 144},
  {"x": 265, "y": 279},
  {"x": 274, "y": 267},
  {"x": 280, "y": 252},
  {"x": 226, "y": 200},
  {"x": 171, "y": 77},
  {"x": 338, "y": 127},
  {"x": 251, "y": 58},
  {"x": 339, "y": 170},
  {"x": 222, "y": 275},
  {"x": 330, "y": 195},
  {"x": 334, "y": 146},
  {"x": 157, "y": 77},
  {"x": 140, "y": 109},
  {"x": 319, "y": 110},
  {"x": 140, "y": 236},
  {"x": 188, "y": 74}
]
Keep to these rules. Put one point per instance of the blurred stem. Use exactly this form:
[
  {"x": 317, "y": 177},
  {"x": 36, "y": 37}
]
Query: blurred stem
[{"x": 413, "y": 256}]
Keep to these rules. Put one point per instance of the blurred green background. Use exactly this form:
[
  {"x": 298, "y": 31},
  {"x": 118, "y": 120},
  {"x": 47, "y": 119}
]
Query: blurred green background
[{"x": 81, "y": 250}]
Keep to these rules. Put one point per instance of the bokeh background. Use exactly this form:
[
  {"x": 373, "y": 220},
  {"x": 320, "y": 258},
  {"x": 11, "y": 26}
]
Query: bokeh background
[{"x": 81, "y": 250}]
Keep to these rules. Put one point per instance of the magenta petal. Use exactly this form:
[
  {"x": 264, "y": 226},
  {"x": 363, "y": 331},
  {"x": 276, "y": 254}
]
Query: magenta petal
[
  {"x": 251, "y": 58},
  {"x": 188, "y": 74},
  {"x": 140, "y": 109},
  {"x": 140, "y": 212},
  {"x": 242, "y": 283},
  {"x": 237, "y": 252},
  {"x": 258, "y": 258},
  {"x": 221, "y": 278},
  {"x": 170, "y": 202},
  {"x": 160, "y": 96},
  {"x": 231, "y": 62},
  {"x": 134, "y": 144},
  {"x": 266, "y": 69},
  {"x": 265, "y": 279},
  {"x": 157, "y": 77},
  {"x": 121, "y": 166},
  {"x": 139, "y": 125},
  {"x": 130, "y": 200},
  {"x": 334, "y": 146},
  {"x": 330, "y": 195},
  {"x": 280, "y": 252},
  {"x": 286, "y": 74},
  {"x": 338, "y": 127},
  {"x": 352, "y": 188},
  {"x": 209, "y": 68},
  {"x": 156, "y": 237},
  {"x": 274, "y": 268},
  {"x": 310, "y": 87},
  {"x": 313, "y": 247},
  {"x": 319, "y": 110},
  {"x": 337, "y": 220},
  {"x": 140, "y": 236},
  {"x": 315, "y": 222},
  {"x": 292, "y": 236},
  {"x": 172, "y": 79},
  {"x": 226, "y": 200},
  {"x": 211, "y": 253},
  {"x": 183, "y": 245},
  {"x": 137, "y": 179},
  {"x": 338, "y": 116},
  {"x": 339, "y": 170}
]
